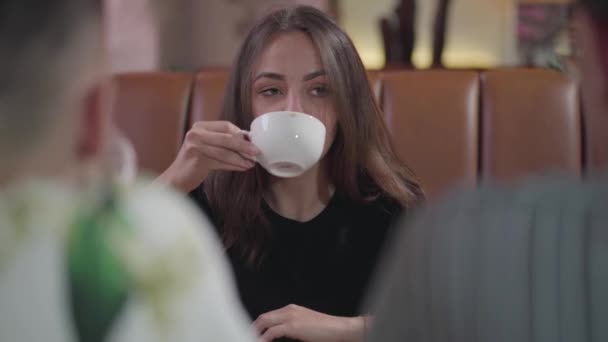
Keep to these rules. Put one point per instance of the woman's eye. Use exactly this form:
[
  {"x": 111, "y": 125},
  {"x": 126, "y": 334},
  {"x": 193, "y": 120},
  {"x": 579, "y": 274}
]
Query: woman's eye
[
  {"x": 320, "y": 91},
  {"x": 270, "y": 92}
]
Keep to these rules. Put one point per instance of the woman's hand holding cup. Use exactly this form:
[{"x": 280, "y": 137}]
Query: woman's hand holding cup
[{"x": 210, "y": 146}]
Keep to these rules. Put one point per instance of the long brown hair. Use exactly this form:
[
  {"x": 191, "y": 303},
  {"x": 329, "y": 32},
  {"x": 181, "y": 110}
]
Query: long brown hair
[{"x": 362, "y": 164}]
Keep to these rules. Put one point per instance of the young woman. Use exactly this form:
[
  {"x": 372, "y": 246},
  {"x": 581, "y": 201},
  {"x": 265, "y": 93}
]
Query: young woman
[{"x": 302, "y": 248}]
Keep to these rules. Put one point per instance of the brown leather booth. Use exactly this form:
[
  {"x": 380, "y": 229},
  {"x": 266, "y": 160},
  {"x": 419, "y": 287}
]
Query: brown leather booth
[
  {"x": 151, "y": 109},
  {"x": 433, "y": 120},
  {"x": 531, "y": 123},
  {"x": 207, "y": 95},
  {"x": 450, "y": 127}
]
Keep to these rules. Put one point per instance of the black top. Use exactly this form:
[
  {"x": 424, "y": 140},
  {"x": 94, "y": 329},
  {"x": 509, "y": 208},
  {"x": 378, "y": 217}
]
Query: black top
[{"x": 323, "y": 264}]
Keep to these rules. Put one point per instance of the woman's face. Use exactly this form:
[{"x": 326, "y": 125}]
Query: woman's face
[{"x": 289, "y": 76}]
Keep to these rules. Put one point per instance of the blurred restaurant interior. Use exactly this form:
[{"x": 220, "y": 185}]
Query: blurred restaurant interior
[
  {"x": 190, "y": 34},
  {"x": 470, "y": 89}
]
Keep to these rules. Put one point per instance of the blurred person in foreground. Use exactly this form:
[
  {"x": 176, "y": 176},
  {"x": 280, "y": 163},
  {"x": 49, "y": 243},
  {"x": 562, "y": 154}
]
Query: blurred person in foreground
[
  {"x": 81, "y": 257},
  {"x": 523, "y": 264}
]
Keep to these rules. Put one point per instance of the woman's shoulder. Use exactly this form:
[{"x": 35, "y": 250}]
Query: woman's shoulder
[{"x": 376, "y": 216}]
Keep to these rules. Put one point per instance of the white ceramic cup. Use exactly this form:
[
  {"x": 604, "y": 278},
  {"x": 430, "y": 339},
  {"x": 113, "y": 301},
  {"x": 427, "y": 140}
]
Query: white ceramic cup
[{"x": 290, "y": 142}]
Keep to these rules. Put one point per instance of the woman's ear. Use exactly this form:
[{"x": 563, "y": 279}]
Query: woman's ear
[{"x": 94, "y": 122}]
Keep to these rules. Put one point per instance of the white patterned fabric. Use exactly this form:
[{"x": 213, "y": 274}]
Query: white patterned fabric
[{"x": 137, "y": 264}]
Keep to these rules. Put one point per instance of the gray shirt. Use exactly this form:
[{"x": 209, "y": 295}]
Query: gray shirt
[{"x": 498, "y": 264}]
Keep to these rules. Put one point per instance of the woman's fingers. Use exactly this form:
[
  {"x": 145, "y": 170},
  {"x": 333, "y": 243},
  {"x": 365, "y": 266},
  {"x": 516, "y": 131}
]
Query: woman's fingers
[{"x": 227, "y": 157}]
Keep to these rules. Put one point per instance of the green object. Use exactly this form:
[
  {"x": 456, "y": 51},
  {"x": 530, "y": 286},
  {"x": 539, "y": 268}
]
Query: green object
[{"x": 98, "y": 280}]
